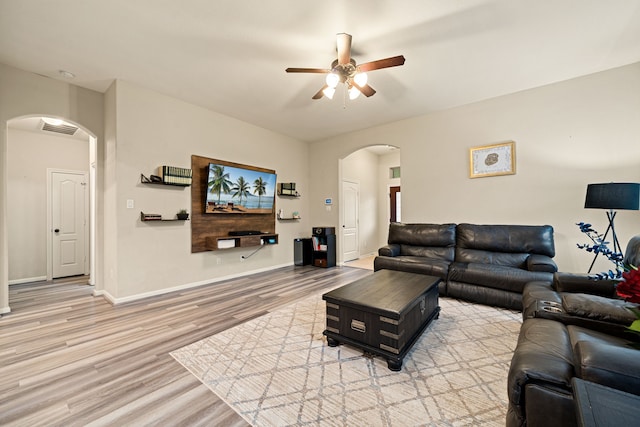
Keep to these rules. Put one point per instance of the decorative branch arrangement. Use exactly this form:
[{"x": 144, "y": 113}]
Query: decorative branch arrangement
[{"x": 600, "y": 247}]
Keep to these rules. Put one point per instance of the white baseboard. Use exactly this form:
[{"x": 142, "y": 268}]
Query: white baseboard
[
  {"x": 115, "y": 301},
  {"x": 27, "y": 280},
  {"x": 5, "y": 310}
]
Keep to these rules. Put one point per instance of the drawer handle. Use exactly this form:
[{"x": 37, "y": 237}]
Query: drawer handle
[{"x": 358, "y": 326}]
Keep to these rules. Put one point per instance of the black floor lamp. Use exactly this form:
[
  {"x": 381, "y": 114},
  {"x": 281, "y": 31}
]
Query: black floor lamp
[{"x": 612, "y": 196}]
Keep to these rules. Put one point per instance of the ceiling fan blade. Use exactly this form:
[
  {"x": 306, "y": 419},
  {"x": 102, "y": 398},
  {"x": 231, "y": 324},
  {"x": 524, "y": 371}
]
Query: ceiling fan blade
[
  {"x": 366, "y": 90},
  {"x": 307, "y": 70},
  {"x": 344, "y": 48},
  {"x": 381, "y": 63},
  {"x": 320, "y": 94}
]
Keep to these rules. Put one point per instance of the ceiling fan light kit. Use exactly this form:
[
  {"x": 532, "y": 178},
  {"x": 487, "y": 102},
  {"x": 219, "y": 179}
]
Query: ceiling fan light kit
[{"x": 345, "y": 70}]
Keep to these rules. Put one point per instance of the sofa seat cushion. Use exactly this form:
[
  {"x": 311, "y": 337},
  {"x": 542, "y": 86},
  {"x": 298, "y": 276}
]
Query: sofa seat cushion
[
  {"x": 598, "y": 308},
  {"x": 495, "y": 276},
  {"x": 413, "y": 264},
  {"x": 484, "y": 295},
  {"x": 604, "y": 359}
]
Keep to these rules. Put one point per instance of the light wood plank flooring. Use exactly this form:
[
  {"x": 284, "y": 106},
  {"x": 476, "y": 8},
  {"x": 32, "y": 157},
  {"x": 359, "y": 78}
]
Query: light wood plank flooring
[{"x": 68, "y": 358}]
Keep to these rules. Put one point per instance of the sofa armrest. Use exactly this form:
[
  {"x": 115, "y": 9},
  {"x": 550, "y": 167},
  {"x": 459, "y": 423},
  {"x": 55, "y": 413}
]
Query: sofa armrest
[
  {"x": 614, "y": 366},
  {"x": 544, "y": 263},
  {"x": 389, "y": 250},
  {"x": 543, "y": 356},
  {"x": 568, "y": 282}
]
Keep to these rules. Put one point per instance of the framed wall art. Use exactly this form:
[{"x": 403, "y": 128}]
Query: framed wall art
[{"x": 492, "y": 160}]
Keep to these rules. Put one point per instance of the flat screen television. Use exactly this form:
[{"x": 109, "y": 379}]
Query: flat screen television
[{"x": 236, "y": 190}]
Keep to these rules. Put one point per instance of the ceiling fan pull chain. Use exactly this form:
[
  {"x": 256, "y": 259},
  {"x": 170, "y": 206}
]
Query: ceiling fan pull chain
[{"x": 344, "y": 99}]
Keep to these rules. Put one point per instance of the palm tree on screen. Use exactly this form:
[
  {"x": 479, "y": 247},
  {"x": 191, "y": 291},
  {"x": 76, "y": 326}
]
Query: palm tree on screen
[
  {"x": 220, "y": 182},
  {"x": 241, "y": 189},
  {"x": 259, "y": 188}
]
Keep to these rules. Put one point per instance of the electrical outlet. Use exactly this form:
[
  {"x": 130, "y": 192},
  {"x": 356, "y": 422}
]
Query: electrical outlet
[{"x": 129, "y": 203}]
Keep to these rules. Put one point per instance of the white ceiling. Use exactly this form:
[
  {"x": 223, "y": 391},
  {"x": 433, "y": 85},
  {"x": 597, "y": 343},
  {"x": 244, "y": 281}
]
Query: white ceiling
[{"x": 230, "y": 56}]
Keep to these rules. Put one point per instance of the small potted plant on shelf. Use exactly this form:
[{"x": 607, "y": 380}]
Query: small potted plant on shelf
[{"x": 183, "y": 214}]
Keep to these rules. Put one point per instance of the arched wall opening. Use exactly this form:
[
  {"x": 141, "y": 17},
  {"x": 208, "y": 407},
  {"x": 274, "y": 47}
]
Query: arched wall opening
[
  {"x": 367, "y": 171},
  {"x": 45, "y": 151}
]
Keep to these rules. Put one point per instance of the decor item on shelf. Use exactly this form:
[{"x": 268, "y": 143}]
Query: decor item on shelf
[
  {"x": 344, "y": 70},
  {"x": 287, "y": 189},
  {"x": 183, "y": 214},
  {"x": 175, "y": 175},
  {"x": 612, "y": 196},
  {"x": 492, "y": 160},
  {"x": 150, "y": 217}
]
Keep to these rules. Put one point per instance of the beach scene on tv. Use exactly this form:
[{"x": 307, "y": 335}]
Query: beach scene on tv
[{"x": 238, "y": 190}]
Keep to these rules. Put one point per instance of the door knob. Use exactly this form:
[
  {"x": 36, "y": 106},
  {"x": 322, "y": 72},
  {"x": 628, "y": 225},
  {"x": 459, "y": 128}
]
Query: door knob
[{"x": 57, "y": 230}]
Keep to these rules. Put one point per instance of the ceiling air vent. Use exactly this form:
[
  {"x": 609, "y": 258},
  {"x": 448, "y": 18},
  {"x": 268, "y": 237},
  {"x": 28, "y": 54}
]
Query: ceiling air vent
[{"x": 63, "y": 128}]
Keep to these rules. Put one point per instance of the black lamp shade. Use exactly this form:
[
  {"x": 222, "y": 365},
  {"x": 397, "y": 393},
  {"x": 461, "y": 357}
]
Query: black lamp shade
[{"x": 613, "y": 195}]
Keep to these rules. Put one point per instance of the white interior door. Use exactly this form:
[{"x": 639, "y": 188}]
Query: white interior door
[
  {"x": 350, "y": 202},
  {"x": 68, "y": 223}
]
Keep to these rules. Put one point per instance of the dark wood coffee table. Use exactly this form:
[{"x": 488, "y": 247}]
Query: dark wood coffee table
[{"x": 382, "y": 314}]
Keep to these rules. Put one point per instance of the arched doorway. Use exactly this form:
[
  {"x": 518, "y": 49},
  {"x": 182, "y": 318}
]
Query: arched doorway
[
  {"x": 368, "y": 170},
  {"x": 37, "y": 149}
]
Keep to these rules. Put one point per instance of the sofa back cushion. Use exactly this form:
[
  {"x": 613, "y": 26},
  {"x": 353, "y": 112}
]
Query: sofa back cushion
[
  {"x": 425, "y": 240},
  {"x": 508, "y": 245},
  {"x": 446, "y": 254}
]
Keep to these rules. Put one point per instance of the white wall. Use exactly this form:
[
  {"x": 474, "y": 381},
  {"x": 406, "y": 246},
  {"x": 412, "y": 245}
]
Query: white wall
[
  {"x": 152, "y": 129},
  {"x": 567, "y": 135},
  {"x": 31, "y": 153}
]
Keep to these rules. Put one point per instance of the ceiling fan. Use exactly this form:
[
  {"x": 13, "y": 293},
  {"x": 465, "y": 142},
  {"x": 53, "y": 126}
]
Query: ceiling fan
[{"x": 345, "y": 70}]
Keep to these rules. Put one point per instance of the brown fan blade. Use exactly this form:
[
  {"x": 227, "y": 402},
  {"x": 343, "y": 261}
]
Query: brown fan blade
[
  {"x": 344, "y": 48},
  {"x": 307, "y": 70},
  {"x": 381, "y": 63},
  {"x": 319, "y": 94},
  {"x": 366, "y": 90}
]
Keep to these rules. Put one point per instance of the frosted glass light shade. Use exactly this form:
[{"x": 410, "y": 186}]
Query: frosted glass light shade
[
  {"x": 360, "y": 79},
  {"x": 353, "y": 93},
  {"x": 332, "y": 80},
  {"x": 329, "y": 91}
]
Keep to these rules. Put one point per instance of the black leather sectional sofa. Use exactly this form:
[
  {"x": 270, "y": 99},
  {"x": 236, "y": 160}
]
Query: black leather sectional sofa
[
  {"x": 573, "y": 327},
  {"x": 488, "y": 264}
]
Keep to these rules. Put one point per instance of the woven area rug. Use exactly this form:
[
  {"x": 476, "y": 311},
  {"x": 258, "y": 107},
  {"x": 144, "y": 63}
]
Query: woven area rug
[{"x": 277, "y": 370}]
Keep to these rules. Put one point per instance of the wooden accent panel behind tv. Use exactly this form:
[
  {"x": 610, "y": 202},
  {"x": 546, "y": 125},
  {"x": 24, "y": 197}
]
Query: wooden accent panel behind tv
[{"x": 219, "y": 225}]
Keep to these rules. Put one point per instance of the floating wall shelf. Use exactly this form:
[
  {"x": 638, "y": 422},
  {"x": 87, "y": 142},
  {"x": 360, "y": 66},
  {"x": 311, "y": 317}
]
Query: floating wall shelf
[
  {"x": 147, "y": 181},
  {"x": 146, "y": 218}
]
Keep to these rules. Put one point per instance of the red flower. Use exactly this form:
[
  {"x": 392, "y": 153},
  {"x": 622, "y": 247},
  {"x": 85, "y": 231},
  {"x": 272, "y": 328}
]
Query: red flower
[{"x": 629, "y": 288}]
